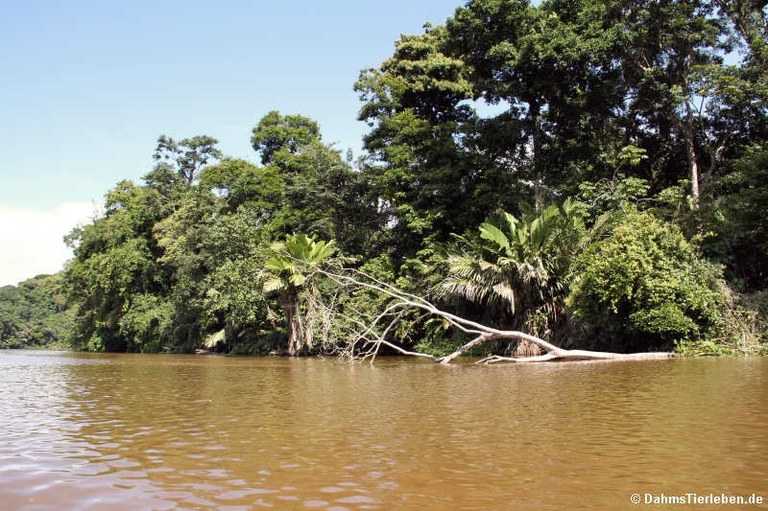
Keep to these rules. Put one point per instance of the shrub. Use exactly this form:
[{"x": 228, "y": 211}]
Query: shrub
[{"x": 642, "y": 286}]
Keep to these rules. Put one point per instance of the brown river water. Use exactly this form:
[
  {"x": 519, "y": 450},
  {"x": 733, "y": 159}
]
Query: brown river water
[{"x": 136, "y": 432}]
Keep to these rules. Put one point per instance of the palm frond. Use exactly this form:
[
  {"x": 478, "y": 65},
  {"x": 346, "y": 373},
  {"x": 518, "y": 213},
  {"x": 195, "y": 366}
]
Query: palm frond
[
  {"x": 519, "y": 263},
  {"x": 273, "y": 284},
  {"x": 490, "y": 232},
  {"x": 297, "y": 279},
  {"x": 466, "y": 289},
  {"x": 506, "y": 294}
]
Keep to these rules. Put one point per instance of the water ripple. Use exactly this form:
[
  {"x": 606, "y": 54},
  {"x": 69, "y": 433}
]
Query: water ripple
[{"x": 124, "y": 432}]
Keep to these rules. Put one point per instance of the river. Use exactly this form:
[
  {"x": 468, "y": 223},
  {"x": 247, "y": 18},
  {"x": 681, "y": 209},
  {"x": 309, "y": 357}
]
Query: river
[{"x": 140, "y": 432}]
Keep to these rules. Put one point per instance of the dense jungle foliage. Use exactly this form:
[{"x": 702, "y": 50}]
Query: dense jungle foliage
[
  {"x": 594, "y": 172},
  {"x": 34, "y": 314}
]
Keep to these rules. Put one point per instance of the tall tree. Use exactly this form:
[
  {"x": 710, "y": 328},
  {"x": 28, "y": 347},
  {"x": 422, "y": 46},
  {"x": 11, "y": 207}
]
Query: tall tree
[
  {"x": 277, "y": 135},
  {"x": 673, "y": 46},
  {"x": 413, "y": 103},
  {"x": 187, "y": 157},
  {"x": 114, "y": 259},
  {"x": 553, "y": 67},
  {"x": 305, "y": 186}
]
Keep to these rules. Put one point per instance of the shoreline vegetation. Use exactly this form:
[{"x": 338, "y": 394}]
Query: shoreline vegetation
[{"x": 572, "y": 180}]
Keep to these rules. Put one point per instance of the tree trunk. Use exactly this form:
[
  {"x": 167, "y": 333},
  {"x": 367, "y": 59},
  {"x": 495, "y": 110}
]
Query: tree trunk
[
  {"x": 690, "y": 149},
  {"x": 552, "y": 352},
  {"x": 372, "y": 335},
  {"x": 538, "y": 174},
  {"x": 295, "y": 325}
]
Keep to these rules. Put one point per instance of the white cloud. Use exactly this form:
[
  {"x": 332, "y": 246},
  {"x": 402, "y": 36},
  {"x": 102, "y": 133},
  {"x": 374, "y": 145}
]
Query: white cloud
[{"x": 31, "y": 240}]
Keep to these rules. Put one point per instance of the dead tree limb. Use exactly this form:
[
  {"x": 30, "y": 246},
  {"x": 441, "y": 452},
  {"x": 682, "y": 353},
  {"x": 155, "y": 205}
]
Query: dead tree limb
[{"x": 403, "y": 301}]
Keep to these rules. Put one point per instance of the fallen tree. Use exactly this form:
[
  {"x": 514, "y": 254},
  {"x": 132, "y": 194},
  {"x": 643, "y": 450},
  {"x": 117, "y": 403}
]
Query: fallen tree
[{"x": 371, "y": 336}]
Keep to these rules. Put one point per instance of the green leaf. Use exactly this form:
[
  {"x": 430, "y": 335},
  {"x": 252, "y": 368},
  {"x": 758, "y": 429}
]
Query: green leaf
[
  {"x": 297, "y": 279},
  {"x": 492, "y": 233},
  {"x": 273, "y": 284}
]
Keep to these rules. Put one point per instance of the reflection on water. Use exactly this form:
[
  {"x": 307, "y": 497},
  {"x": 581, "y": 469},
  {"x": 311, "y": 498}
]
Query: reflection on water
[{"x": 124, "y": 432}]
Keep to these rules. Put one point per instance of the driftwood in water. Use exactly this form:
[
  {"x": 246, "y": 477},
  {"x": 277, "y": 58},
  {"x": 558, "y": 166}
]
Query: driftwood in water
[{"x": 371, "y": 336}]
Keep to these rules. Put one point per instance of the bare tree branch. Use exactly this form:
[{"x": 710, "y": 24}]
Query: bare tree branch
[{"x": 372, "y": 340}]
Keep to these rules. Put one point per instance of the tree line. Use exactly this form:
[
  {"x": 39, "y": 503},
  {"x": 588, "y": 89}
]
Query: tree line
[
  {"x": 590, "y": 172},
  {"x": 34, "y": 314}
]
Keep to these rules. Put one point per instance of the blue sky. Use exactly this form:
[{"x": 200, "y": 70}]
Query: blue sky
[{"x": 87, "y": 87}]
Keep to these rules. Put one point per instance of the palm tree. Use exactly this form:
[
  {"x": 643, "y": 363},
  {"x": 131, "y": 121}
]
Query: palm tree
[
  {"x": 518, "y": 268},
  {"x": 289, "y": 270}
]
